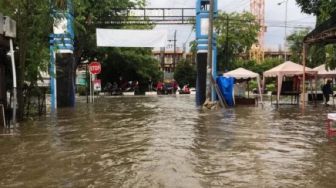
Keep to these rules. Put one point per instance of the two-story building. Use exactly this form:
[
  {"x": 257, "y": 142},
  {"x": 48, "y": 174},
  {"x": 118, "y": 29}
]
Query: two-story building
[{"x": 166, "y": 58}]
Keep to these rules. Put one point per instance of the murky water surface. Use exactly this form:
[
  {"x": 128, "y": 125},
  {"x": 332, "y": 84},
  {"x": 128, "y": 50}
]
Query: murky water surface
[{"x": 167, "y": 142}]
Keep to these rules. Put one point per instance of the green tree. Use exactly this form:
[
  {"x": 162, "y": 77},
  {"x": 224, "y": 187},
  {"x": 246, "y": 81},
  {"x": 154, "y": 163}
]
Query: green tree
[
  {"x": 129, "y": 63},
  {"x": 322, "y": 9},
  {"x": 295, "y": 42},
  {"x": 236, "y": 34},
  {"x": 33, "y": 24},
  {"x": 185, "y": 73},
  {"x": 330, "y": 56},
  {"x": 132, "y": 64},
  {"x": 252, "y": 65},
  {"x": 88, "y": 16}
]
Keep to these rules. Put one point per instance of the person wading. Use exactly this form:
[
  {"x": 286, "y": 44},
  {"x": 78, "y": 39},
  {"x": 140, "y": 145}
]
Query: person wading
[{"x": 327, "y": 91}]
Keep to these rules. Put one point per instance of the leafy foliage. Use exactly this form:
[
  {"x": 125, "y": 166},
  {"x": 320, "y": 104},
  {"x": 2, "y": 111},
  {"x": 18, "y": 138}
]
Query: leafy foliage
[
  {"x": 236, "y": 34},
  {"x": 320, "y": 8},
  {"x": 185, "y": 73},
  {"x": 32, "y": 41},
  {"x": 88, "y": 16},
  {"x": 33, "y": 25},
  {"x": 295, "y": 42},
  {"x": 330, "y": 58},
  {"x": 257, "y": 67},
  {"x": 130, "y": 64}
]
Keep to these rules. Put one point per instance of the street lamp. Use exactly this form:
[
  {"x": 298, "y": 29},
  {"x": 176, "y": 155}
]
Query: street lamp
[{"x": 285, "y": 44}]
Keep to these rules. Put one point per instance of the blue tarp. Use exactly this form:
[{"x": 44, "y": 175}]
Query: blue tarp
[{"x": 225, "y": 85}]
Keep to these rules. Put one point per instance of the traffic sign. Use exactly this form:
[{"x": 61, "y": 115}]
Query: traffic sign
[
  {"x": 97, "y": 85},
  {"x": 94, "y": 67}
]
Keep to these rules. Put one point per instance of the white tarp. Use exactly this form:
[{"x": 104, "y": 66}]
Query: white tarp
[
  {"x": 241, "y": 73},
  {"x": 131, "y": 38}
]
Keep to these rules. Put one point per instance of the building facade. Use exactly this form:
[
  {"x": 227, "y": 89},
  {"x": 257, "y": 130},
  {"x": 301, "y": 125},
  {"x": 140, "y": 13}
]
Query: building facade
[{"x": 166, "y": 58}]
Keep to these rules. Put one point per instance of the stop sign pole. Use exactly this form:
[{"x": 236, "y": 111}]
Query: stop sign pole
[{"x": 94, "y": 68}]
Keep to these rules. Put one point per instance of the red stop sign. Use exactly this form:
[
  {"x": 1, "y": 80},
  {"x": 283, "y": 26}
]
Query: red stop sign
[{"x": 94, "y": 67}]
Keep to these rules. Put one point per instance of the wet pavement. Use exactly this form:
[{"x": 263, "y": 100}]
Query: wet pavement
[{"x": 165, "y": 141}]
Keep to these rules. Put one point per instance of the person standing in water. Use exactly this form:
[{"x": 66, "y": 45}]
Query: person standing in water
[{"x": 327, "y": 91}]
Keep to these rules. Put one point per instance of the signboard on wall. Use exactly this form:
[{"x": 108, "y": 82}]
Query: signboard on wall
[
  {"x": 97, "y": 85},
  {"x": 60, "y": 26}
]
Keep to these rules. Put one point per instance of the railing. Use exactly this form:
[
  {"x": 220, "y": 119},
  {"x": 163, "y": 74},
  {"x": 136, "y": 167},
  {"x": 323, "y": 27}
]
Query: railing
[{"x": 143, "y": 16}]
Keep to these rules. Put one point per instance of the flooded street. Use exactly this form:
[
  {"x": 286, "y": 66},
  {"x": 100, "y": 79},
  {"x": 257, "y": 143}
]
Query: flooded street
[{"x": 167, "y": 142}]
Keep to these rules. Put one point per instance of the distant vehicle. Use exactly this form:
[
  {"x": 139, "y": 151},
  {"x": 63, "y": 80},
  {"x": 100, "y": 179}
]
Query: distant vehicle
[
  {"x": 185, "y": 89},
  {"x": 166, "y": 88}
]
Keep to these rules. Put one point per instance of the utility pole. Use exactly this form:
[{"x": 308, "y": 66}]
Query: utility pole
[
  {"x": 285, "y": 42},
  {"x": 86, "y": 82},
  {"x": 162, "y": 58},
  {"x": 210, "y": 43},
  {"x": 227, "y": 40},
  {"x": 14, "y": 81},
  {"x": 174, "y": 58},
  {"x": 10, "y": 32},
  {"x": 286, "y": 30}
]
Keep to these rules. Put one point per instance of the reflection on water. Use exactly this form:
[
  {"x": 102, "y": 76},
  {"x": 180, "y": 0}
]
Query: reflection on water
[{"x": 168, "y": 142}]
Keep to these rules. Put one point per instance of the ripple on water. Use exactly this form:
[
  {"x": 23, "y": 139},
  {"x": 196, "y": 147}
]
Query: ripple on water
[{"x": 166, "y": 141}]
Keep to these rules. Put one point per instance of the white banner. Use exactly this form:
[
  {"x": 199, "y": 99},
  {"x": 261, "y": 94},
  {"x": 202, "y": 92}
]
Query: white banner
[{"x": 131, "y": 38}]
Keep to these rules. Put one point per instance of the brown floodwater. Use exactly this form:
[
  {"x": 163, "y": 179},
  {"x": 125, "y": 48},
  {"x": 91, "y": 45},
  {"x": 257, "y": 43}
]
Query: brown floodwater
[{"x": 166, "y": 141}]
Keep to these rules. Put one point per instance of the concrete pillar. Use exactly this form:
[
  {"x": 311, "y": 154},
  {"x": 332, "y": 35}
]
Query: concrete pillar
[{"x": 201, "y": 78}]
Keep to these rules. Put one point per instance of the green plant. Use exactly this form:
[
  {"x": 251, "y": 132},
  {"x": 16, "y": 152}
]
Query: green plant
[
  {"x": 185, "y": 73},
  {"x": 270, "y": 87},
  {"x": 253, "y": 84}
]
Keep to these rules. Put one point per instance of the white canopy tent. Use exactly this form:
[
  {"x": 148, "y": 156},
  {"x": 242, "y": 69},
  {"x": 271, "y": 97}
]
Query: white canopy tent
[
  {"x": 242, "y": 73},
  {"x": 323, "y": 73},
  {"x": 289, "y": 69}
]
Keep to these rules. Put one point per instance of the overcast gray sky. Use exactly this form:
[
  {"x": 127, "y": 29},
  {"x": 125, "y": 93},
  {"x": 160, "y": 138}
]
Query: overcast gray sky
[{"x": 274, "y": 17}]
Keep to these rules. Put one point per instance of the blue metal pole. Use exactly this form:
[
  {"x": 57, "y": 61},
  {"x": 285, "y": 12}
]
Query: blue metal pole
[
  {"x": 214, "y": 72},
  {"x": 53, "y": 89},
  {"x": 214, "y": 54},
  {"x": 60, "y": 42}
]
